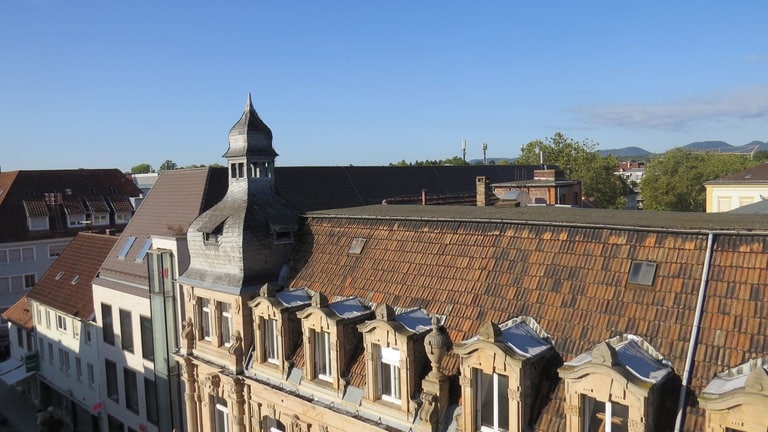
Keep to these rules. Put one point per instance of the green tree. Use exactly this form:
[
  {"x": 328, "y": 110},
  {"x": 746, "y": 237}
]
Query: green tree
[
  {"x": 168, "y": 165},
  {"x": 579, "y": 160},
  {"x": 142, "y": 168},
  {"x": 675, "y": 180}
]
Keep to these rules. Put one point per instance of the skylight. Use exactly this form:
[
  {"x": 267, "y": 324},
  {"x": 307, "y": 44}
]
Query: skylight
[
  {"x": 357, "y": 246},
  {"x": 126, "y": 248},
  {"x": 59, "y": 275},
  {"x": 642, "y": 273},
  {"x": 75, "y": 279},
  {"x": 143, "y": 251}
]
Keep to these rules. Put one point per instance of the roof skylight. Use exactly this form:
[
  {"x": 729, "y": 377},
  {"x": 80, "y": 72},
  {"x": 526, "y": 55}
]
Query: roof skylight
[{"x": 126, "y": 248}]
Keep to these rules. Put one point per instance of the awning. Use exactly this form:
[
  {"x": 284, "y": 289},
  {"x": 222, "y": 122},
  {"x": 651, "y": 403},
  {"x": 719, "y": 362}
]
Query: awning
[
  {"x": 15, "y": 375},
  {"x": 9, "y": 365}
]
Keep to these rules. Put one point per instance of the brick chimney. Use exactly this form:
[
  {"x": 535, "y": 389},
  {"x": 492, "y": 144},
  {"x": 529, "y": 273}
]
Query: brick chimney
[{"x": 483, "y": 191}]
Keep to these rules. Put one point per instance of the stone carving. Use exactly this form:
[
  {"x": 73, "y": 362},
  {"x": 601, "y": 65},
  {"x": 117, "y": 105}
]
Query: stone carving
[
  {"x": 571, "y": 409},
  {"x": 189, "y": 336},
  {"x": 296, "y": 424},
  {"x": 635, "y": 426},
  {"x": 237, "y": 306},
  {"x": 605, "y": 354},
  {"x": 429, "y": 410},
  {"x": 323, "y": 428},
  {"x": 385, "y": 312},
  {"x": 489, "y": 332},
  {"x": 236, "y": 351},
  {"x": 436, "y": 344},
  {"x": 514, "y": 393}
]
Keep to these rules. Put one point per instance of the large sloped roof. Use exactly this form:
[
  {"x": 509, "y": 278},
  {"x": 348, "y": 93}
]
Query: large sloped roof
[
  {"x": 755, "y": 175},
  {"x": 566, "y": 268},
  {"x": 66, "y": 286},
  {"x": 177, "y": 198},
  {"x": 74, "y": 185}
]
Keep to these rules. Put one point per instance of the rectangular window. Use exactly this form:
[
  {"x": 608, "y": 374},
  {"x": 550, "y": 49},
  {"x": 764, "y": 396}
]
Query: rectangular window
[
  {"x": 723, "y": 204},
  {"x": 61, "y": 323},
  {"x": 389, "y": 374},
  {"x": 64, "y": 360},
  {"x": 88, "y": 334},
  {"x": 91, "y": 375},
  {"x": 5, "y": 284},
  {"x": 39, "y": 311},
  {"x": 601, "y": 416},
  {"x": 221, "y": 417},
  {"x": 271, "y": 344},
  {"x": 100, "y": 219},
  {"x": 323, "y": 355},
  {"x": 79, "y": 368},
  {"x": 20, "y": 337},
  {"x": 111, "y": 370},
  {"x": 126, "y": 331},
  {"x": 131, "y": 390},
  {"x": 3, "y": 256},
  {"x": 17, "y": 255},
  {"x": 491, "y": 401},
  {"x": 47, "y": 319},
  {"x": 126, "y": 248},
  {"x": 205, "y": 318},
  {"x": 143, "y": 252},
  {"x": 150, "y": 398},
  {"x": 642, "y": 273},
  {"x": 37, "y": 223},
  {"x": 147, "y": 339},
  {"x": 50, "y": 352},
  {"x": 226, "y": 324},
  {"x": 122, "y": 218},
  {"x": 17, "y": 283},
  {"x": 40, "y": 345},
  {"x": 107, "y": 325}
]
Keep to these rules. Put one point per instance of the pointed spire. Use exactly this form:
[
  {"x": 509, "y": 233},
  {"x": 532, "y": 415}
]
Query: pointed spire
[
  {"x": 250, "y": 137},
  {"x": 249, "y": 103}
]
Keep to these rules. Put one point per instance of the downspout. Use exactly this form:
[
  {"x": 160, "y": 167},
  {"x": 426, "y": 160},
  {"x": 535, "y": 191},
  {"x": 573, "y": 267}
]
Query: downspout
[{"x": 694, "y": 334}]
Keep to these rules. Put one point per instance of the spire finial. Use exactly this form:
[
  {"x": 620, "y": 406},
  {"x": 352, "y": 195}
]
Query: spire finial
[{"x": 249, "y": 103}]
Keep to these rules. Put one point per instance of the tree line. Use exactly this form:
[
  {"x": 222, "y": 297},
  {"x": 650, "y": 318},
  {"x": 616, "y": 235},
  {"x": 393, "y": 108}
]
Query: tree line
[{"x": 145, "y": 168}]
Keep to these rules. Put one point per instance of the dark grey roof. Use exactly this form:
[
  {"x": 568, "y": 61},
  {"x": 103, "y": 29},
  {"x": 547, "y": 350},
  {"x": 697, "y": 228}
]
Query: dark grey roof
[
  {"x": 250, "y": 135},
  {"x": 755, "y": 175}
]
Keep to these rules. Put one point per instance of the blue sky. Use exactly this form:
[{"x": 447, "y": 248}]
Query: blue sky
[{"x": 87, "y": 84}]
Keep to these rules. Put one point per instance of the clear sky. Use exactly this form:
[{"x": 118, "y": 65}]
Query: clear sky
[{"x": 110, "y": 83}]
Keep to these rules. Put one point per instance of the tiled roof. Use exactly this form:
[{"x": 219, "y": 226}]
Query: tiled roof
[
  {"x": 73, "y": 206},
  {"x": 96, "y": 204},
  {"x": 35, "y": 207},
  {"x": 177, "y": 198},
  {"x": 20, "y": 314},
  {"x": 757, "y": 174},
  {"x": 120, "y": 203},
  {"x": 66, "y": 286},
  {"x": 565, "y": 268},
  {"x": 317, "y": 188},
  {"x": 18, "y": 188}
]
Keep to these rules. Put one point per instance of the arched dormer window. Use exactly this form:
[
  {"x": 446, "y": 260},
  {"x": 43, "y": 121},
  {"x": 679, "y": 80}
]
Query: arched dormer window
[
  {"x": 615, "y": 387},
  {"x": 500, "y": 372},
  {"x": 735, "y": 400},
  {"x": 277, "y": 329},
  {"x": 325, "y": 325},
  {"x": 397, "y": 361}
]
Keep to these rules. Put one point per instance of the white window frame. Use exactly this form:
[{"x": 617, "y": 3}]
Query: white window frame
[
  {"x": 322, "y": 355},
  {"x": 271, "y": 341},
  {"x": 100, "y": 219},
  {"x": 205, "y": 318},
  {"x": 586, "y": 413},
  {"x": 61, "y": 323},
  {"x": 122, "y": 218},
  {"x": 389, "y": 366},
  {"x": 55, "y": 250},
  {"x": 499, "y": 401},
  {"x": 38, "y": 223},
  {"x": 221, "y": 416},
  {"x": 226, "y": 323}
]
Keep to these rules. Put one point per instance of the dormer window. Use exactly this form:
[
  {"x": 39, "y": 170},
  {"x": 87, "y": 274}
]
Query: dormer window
[
  {"x": 735, "y": 399},
  {"x": 271, "y": 343},
  {"x": 282, "y": 235},
  {"x": 226, "y": 324},
  {"x": 501, "y": 366},
  {"x": 389, "y": 373},
  {"x": 609, "y": 387},
  {"x": 322, "y": 355}
]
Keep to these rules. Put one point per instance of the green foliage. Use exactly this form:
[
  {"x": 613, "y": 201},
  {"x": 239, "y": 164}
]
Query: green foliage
[
  {"x": 675, "y": 180},
  {"x": 456, "y": 160},
  {"x": 142, "y": 168},
  {"x": 579, "y": 160},
  {"x": 168, "y": 165},
  {"x": 760, "y": 156}
]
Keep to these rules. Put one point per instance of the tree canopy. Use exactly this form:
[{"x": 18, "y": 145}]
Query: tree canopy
[
  {"x": 456, "y": 160},
  {"x": 168, "y": 165},
  {"x": 675, "y": 180},
  {"x": 579, "y": 160},
  {"x": 142, "y": 168}
]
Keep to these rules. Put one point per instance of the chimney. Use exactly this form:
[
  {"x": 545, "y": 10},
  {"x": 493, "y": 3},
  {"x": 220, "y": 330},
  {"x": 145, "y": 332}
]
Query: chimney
[
  {"x": 423, "y": 197},
  {"x": 483, "y": 191}
]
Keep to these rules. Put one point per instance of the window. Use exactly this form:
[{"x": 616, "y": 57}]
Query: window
[
  {"x": 491, "y": 401},
  {"x": 205, "y": 318},
  {"x": 356, "y": 247},
  {"x": 131, "y": 390},
  {"x": 126, "y": 331},
  {"x": 91, "y": 375},
  {"x": 64, "y": 360},
  {"x": 88, "y": 338},
  {"x": 50, "y": 353},
  {"x": 143, "y": 252},
  {"x": 101, "y": 219},
  {"x": 723, "y": 204},
  {"x": 601, "y": 416},
  {"x": 150, "y": 399},
  {"x": 29, "y": 281},
  {"x": 147, "y": 339},
  {"x": 17, "y": 283},
  {"x": 76, "y": 220},
  {"x": 40, "y": 344},
  {"x": 271, "y": 353},
  {"x": 61, "y": 323},
  {"x": 39, "y": 311},
  {"x": 17, "y": 255},
  {"x": 59, "y": 275},
  {"x": 126, "y": 248},
  {"x": 122, "y": 218},
  {"x": 323, "y": 355},
  {"x": 221, "y": 416},
  {"x": 47, "y": 318},
  {"x": 642, "y": 273},
  {"x": 389, "y": 374},
  {"x": 111, "y": 369},
  {"x": 75, "y": 279},
  {"x": 226, "y": 324},
  {"x": 20, "y": 337},
  {"x": 114, "y": 425},
  {"x": 282, "y": 236},
  {"x": 79, "y": 368},
  {"x": 107, "y": 326}
]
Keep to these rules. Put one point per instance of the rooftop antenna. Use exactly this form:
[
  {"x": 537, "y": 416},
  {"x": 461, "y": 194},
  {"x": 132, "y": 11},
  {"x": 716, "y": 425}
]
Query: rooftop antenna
[
  {"x": 485, "y": 159},
  {"x": 464, "y": 150}
]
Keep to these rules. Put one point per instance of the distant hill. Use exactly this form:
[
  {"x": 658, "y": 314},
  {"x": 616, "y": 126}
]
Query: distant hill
[
  {"x": 724, "y": 147},
  {"x": 625, "y": 152}
]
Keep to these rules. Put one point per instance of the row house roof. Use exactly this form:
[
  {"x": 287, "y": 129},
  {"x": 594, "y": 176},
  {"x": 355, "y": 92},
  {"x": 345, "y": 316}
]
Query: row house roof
[
  {"x": 66, "y": 286},
  {"x": 755, "y": 175},
  {"x": 568, "y": 269},
  {"x": 23, "y": 193}
]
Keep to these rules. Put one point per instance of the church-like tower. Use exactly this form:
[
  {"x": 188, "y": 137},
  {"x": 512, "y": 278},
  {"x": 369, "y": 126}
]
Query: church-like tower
[{"x": 242, "y": 242}]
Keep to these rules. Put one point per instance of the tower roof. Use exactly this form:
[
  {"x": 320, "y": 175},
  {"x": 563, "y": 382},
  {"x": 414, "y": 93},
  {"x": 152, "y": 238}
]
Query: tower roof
[{"x": 250, "y": 136}]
